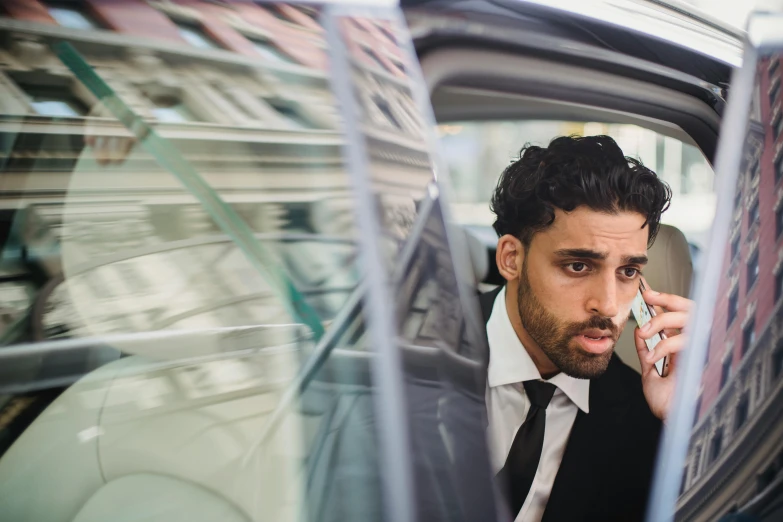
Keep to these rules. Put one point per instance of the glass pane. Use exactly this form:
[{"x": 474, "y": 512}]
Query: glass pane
[
  {"x": 195, "y": 36},
  {"x": 182, "y": 332},
  {"x": 442, "y": 354},
  {"x": 270, "y": 52},
  {"x": 735, "y": 454},
  {"x": 72, "y": 17}
]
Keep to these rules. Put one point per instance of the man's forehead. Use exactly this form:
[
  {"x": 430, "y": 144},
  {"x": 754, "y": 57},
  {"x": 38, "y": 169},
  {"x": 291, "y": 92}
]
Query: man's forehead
[{"x": 618, "y": 234}]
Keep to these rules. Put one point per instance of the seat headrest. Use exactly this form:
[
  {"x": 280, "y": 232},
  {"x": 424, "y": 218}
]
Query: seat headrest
[{"x": 670, "y": 267}]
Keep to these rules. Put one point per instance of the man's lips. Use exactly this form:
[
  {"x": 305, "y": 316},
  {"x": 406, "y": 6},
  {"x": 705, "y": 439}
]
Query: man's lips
[
  {"x": 595, "y": 333},
  {"x": 595, "y": 340}
]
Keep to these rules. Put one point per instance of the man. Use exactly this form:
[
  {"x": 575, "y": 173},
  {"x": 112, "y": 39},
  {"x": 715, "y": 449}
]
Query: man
[{"x": 572, "y": 430}]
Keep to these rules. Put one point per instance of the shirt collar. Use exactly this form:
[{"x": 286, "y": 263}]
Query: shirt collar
[{"x": 510, "y": 363}]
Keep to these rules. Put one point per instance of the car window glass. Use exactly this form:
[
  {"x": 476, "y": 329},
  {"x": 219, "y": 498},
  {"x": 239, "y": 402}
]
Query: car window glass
[
  {"x": 184, "y": 308},
  {"x": 734, "y": 457},
  {"x": 442, "y": 352}
]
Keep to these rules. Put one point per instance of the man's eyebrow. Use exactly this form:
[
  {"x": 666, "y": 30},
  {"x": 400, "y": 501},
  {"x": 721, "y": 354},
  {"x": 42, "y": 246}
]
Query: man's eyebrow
[
  {"x": 635, "y": 260},
  {"x": 583, "y": 253},
  {"x": 586, "y": 253}
]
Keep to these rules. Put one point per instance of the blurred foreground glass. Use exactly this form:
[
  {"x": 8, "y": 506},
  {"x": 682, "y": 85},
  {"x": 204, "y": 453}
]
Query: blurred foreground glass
[
  {"x": 183, "y": 331},
  {"x": 735, "y": 454}
]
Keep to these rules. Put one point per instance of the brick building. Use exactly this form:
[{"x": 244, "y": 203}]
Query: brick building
[
  {"x": 242, "y": 93},
  {"x": 737, "y": 419}
]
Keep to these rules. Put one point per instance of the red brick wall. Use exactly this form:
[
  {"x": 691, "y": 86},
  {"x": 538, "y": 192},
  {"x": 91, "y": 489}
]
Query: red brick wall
[
  {"x": 763, "y": 291},
  {"x": 30, "y": 10},
  {"x": 301, "y": 45},
  {"x": 134, "y": 17}
]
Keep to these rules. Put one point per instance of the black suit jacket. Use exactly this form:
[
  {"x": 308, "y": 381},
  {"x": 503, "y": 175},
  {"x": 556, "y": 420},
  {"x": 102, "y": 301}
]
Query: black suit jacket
[{"x": 608, "y": 463}]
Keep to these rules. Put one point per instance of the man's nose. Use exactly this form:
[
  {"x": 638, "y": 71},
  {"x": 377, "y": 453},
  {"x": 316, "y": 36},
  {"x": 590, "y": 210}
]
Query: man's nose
[{"x": 603, "y": 297}]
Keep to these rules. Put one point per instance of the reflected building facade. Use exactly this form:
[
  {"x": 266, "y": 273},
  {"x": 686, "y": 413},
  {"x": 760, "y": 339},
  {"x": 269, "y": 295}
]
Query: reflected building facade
[
  {"x": 736, "y": 450},
  {"x": 103, "y": 238}
]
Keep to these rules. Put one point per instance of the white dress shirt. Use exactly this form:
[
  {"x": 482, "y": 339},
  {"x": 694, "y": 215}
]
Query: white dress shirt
[{"x": 507, "y": 407}]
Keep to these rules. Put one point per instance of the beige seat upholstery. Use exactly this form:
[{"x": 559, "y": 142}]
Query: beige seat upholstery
[
  {"x": 669, "y": 270},
  {"x": 161, "y": 440}
]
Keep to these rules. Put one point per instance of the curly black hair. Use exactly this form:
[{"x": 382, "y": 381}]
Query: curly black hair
[{"x": 574, "y": 171}]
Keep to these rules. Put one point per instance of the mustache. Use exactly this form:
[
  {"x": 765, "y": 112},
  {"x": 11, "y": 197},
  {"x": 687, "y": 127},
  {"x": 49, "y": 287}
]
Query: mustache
[{"x": 601, "y": 323}]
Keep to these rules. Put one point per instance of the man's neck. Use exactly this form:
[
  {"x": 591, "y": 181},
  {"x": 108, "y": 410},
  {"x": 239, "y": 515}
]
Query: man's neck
[{"x": 544, "y": 365}]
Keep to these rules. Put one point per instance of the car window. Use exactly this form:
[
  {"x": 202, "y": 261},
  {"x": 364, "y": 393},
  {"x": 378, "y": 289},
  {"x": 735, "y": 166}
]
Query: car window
[
  {"x": 734, "y": 456},
  {"x": 478, "y": 151},
  {"x": 193, "y": 326}
]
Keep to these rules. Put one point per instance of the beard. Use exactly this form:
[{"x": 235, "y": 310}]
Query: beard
[{"x": 557, "y": 338}]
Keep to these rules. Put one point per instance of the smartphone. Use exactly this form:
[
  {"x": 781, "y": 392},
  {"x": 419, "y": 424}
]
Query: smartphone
[{"x": 643, "y": 313}]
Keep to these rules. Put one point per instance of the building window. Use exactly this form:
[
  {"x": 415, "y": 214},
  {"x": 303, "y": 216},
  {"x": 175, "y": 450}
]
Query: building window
[
  {"x": 375, "y": 58},
  {"x": 385, "y": 108},
  {"x": 779, "y": 167},
  {"x": 269, "y": 51},
  {"x": 773, "y": 94},
  {"x": 774, "y": 67},
  {"x": 753, "y": 269},
  {"x": 735, "y": 247},
  {"x": 754, "y": 169},
  {"x": 725, "y": 371},
  {"x": 170, "y": 109},
  {"x": 777, "y": 360},
  {"x": 733, "y": 306},
  {"x": 716, "y": 444},
  {"x": 779, "y": 222},
  {"x": 697, "y": 411},
  {"x": 778, "y": 126},
  {"x": 696, "y": 461},
  {"x": 753, "y": 214},
  {"x": 277, "y": 13},
  {"x": 737, "y": 199},
  {"x": 194, "y": 34},
  {"x": 73, "y": 15},
  {"x": 748, "y": 336},
  {"x": 54, "y": 101},
  {"x": 290, "y": 114},
  {"x": 778, "y": 286},
  {"x": 741, "y": 415}
]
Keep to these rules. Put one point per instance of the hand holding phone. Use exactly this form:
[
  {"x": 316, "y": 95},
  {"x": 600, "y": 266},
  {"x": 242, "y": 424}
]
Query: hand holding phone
[{"x": 643, "y": 313}]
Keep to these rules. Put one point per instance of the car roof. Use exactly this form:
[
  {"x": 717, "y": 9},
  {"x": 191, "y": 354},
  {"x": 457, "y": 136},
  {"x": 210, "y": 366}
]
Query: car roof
[{"x": 663, "y": 33}]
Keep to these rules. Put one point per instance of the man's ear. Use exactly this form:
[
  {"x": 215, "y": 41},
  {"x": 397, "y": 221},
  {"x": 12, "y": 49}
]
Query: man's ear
[{"x": 509, "y": 257}]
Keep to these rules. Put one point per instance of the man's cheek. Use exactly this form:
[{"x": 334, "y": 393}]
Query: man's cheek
[{"x": 625, "y": 312}]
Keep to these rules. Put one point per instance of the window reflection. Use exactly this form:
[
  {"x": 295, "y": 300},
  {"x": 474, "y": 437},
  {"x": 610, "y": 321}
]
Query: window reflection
[
  {"x": 737, "y": 419},
  {"x": 130, "y": 314}
]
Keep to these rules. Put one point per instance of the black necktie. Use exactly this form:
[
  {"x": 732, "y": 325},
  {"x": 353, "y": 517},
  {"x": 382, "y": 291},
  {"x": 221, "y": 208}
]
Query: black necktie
[{"x": 522, "y": 461}]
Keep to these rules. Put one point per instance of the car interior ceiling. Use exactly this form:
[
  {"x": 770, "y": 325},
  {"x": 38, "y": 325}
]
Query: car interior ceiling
[
  {"x": 499, "y": 71},
  {"x": 532, "y": 18}
]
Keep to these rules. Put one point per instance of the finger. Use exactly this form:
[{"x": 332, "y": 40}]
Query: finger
[
  {"x": 666, "y": 347},
  {"x": 642, "y": 351},
  {"x": 670, "y": 302},
  {"x": 665, "y": 322}
]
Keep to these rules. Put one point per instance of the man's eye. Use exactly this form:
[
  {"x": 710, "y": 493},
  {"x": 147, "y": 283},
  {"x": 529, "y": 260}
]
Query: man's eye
[
  {"x": 630, "y": 272},
  {"x": 577, "y": 267}
]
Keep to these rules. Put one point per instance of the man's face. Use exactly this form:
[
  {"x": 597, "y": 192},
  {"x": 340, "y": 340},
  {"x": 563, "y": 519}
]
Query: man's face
[{"x": 576, "y": 286}]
